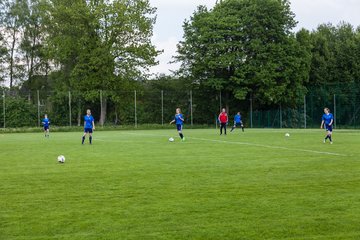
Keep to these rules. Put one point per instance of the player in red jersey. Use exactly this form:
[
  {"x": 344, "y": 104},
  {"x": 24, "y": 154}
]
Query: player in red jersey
[{"x": 223, "y": 119}]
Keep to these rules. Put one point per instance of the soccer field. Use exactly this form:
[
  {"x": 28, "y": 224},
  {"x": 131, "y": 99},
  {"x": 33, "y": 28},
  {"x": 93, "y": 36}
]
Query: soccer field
[{"x": 138, "y": 185}]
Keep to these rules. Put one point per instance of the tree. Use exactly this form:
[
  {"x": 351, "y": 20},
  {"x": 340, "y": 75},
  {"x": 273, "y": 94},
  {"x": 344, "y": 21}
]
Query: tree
[
  {"x": 245, "y": 48},
  {"x": 3, "y": 57},
  {"x": 100, "y": 43},
  {"x": 12, "y": 21},
  {"x": 32, "y": 42}
]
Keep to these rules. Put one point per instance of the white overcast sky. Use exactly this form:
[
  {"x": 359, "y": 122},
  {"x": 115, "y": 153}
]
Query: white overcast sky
[{"x": 309, "y": 13}]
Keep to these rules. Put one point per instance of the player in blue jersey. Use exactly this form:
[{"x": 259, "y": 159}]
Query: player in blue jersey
[
  {"x": 46, "y": 124},
  {"x": 89, "y": 126},
  {"x": 237, "y": 122},
  {"x": 179, "y": 121},
  {"x": 327, "y": 123}
]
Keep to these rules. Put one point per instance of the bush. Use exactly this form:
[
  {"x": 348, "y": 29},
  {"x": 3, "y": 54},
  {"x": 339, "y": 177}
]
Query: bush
[{"x": 20, "y": 112}]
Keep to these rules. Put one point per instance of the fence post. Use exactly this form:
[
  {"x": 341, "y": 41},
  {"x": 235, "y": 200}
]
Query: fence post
[
  {"x": 335, "y": 111},
  {"x": 70, "y": 109},
  {"x": 162, "y": 107},
  {"x": 251, "y": 112},
  {"x": 305, "y": 111},
  {"x": 135, "y": 108},
  {"x": 38, "y": 106},
  {"x": 4, "y": 111},
  {"x": 191, "y": 108}
]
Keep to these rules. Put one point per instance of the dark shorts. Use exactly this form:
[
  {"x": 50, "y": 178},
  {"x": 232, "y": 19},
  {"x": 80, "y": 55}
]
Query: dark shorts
[
  {"x": 238, "y": 124},
  {"x": 329, "y": 128},
  {"x": 88, "y": 130},
  {"x": 179, "y": 127},
  {"x": 46, "y": 128}
]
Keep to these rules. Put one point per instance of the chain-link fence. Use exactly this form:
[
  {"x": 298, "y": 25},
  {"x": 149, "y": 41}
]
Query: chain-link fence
[{"x": 26, "y": 109}]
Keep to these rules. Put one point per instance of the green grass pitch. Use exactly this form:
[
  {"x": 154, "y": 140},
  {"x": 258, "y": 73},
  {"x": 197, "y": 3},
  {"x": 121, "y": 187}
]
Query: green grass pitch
[{"x": 138, "y": 185}]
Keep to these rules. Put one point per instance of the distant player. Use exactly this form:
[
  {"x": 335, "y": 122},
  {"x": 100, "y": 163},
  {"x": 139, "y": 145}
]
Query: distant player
[
  {"x": 89, "y": 126},
  {"x": 46, "y": 125},
  {"x": 223, "y": 119},
  {"x": 327, "y": 123},
  {"x": 179, "y": 121},
  {"x": 237, "y": 122}
]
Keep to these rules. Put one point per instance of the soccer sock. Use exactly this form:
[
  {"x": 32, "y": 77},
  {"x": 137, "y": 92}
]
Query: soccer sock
[
  {"x": 232, "y": 128},
  {"x": 242, "y": 128},
  {"x": 181, "y": 135},
  {"x": 83, "y": 139},
  {"x": 330, "y": 138},
  {"x": 90, "y": 139}
]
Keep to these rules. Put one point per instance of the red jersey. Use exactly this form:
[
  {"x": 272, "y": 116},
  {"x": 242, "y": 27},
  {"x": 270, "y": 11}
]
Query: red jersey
[{"x": 223, "y": 117}]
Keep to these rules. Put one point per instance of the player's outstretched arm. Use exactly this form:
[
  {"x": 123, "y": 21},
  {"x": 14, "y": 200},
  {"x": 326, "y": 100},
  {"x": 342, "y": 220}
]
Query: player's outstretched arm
[
  {"x": 93, "y": 123},
  {"x": 322, "y": 124},
  {"x": 172, "y": 121}
]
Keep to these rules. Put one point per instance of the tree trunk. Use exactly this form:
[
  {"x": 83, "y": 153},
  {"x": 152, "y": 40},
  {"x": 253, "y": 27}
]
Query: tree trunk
[
  {"x": 226, "y": 100},
  {"x": 79, "y": 114},
  {"x": 12, "y": 58},
  {"x": 116, "y": 116},
  {"x": 31, "y": 69},
  {"x": 103, "y": 109},
  {"x": 47, "y": 70}
]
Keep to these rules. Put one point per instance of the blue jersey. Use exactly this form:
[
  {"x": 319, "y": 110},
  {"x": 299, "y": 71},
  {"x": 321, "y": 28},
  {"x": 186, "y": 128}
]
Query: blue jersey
[
  {"x": 88, "y": 121},
  {"x": 327, "y": 118},
  {"x": 178, "y": 120},
  {"x": 237, "y": 118},
  {"x": 46, "y": 122}
]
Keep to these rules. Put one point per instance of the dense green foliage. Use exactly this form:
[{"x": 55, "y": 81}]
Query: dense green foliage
[
  {"x": 241, "y": 54},
  {"x": 19, "y": 112},
  {"x": 246, "y": 48},
  {"x": 252, "y": 185},
  {"x": 78, "y": 45}
]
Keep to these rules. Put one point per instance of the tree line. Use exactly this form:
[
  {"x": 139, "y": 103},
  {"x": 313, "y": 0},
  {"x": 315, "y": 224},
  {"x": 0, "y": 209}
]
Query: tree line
[{"x": 245, "y": 49}]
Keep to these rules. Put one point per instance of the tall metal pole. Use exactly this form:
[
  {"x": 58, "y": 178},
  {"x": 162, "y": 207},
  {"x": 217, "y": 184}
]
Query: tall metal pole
[
  {"x": 162, "y": 107},
  {"x": 38, "y": 106},
  {"x": 135, "y": 108},
  {"x": 304, "y": 111},
  {"x": 4, "y": 111},
  {"x": 191, "y": 108},
  {"x": 70, "y": 109},
  {"x": 335, "y": 111},
  {"x": 251, "y": 112}
]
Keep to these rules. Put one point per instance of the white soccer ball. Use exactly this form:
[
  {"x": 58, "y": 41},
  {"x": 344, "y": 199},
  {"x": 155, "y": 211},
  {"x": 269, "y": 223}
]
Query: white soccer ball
[
  {"x": 171, "y": 139},
  {"x": 287, "y": 134},
  {"x": 61, "y": 159}
]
